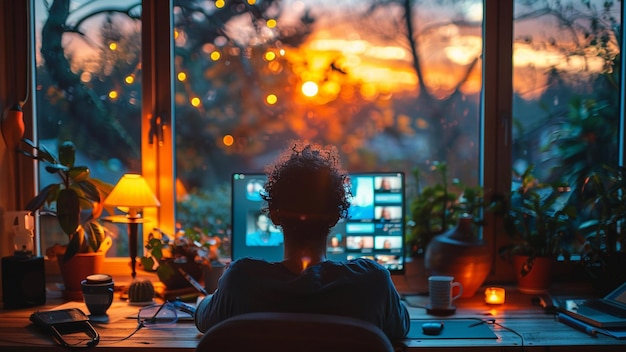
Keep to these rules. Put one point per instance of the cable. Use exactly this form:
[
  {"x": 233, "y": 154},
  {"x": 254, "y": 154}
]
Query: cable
[
  {"x": 511, "y": 330},
  {"x": 110, "y": 342}
]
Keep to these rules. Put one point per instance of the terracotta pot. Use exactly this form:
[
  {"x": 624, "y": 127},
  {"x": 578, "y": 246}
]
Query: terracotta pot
[
  {"x": 458, "y": 253},
  {"x": 78, "y": 268},
  {"x": 537, "y": 280}
]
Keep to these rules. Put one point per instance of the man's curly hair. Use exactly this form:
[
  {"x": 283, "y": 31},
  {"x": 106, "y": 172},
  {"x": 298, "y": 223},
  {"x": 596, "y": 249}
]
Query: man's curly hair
[{"x": 307, "y": 184}]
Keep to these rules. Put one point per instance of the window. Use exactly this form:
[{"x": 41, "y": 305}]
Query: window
[
  {"x": 89, "y": 93},
  {"x": 391, "y": 93},
  {"x": 566, "y": 103}
]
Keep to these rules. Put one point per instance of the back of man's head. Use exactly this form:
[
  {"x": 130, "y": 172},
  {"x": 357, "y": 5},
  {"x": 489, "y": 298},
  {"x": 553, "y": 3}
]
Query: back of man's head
[{"x": 306, "y": 186}]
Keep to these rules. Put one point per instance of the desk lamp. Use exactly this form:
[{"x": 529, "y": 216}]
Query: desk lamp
[{"x": 132, "y": 192}]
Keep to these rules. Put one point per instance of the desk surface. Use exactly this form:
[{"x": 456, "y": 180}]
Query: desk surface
[{"x": 518, "y": 323}]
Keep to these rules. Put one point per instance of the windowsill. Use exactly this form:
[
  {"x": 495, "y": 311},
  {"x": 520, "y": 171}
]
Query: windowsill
[{"x": 118, "y": 268}]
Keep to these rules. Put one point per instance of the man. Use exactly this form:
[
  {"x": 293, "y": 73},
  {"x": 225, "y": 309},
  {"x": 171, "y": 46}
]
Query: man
[{"x": 306, "y": 194}]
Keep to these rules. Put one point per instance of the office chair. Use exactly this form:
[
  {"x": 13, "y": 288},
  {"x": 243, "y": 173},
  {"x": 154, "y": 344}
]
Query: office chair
[{"x": 281, "y": 332}]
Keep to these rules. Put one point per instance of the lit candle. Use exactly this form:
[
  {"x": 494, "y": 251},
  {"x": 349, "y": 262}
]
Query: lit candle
[{"x": 494, "y": 295}]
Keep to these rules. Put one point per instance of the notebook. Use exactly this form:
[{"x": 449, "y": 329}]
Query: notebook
[{"x": 606, "y": 312}]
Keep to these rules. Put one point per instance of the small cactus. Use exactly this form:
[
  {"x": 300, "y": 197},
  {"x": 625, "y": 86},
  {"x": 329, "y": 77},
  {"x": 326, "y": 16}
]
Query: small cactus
[{"x": 141, "y": 291}]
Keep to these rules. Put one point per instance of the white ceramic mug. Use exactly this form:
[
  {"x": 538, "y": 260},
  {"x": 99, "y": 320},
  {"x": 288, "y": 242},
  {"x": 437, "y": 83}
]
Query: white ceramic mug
[{"x": 440, "y": 291}]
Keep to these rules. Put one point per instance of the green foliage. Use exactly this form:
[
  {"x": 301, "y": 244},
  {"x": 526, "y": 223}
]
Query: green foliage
[
  {"x": 604, "y": 193},
  {"x": 588, "y": 133},
  {"x": 537, "y": 218},
  {"x": 436, "y": 208},
  {"x": 185, "y": 247},
  {"x": 206, "y": 212},
  {"x": 76, "y": 192}
]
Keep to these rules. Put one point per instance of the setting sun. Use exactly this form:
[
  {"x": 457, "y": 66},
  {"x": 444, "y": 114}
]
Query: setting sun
[{"x": 309, "y": 89}]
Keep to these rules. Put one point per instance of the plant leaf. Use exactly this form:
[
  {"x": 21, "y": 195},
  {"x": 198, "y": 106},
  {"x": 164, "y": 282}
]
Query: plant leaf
[
  {"x": 68, "y": 210},
  {"x": 95, "y": 234},
  {"x": 39, "y": 200},
  {"x": 44, "y": 154},
  {"x": 54, "y": 168},
  {"x": 76, "y": 242},
  {"x": 90, "y": 190},
  {"x": 67, "y": 154},
  {"x": 79, "y": 173},
  {"x": 148, "y": 263}
]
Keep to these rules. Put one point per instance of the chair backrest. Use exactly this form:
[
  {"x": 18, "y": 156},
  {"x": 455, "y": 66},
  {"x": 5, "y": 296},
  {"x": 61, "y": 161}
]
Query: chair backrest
[{"x": 294, "y": 332}]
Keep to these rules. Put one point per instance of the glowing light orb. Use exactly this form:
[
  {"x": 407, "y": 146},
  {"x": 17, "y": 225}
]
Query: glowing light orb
[
  {"x": 271, "y": 99},
  {"x": 228, "y": 140},
  {"x": 310, "y": 89}
]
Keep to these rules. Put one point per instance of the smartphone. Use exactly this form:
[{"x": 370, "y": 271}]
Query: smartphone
[
  {"x": 55, "y": 317},
  {"x": 66, "y": 321}
]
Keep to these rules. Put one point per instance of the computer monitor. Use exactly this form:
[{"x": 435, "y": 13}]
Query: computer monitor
[{"x": 374, "y": 228}]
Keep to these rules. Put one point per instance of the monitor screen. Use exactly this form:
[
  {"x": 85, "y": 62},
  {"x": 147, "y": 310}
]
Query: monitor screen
[{"x": 374, "y": 228}]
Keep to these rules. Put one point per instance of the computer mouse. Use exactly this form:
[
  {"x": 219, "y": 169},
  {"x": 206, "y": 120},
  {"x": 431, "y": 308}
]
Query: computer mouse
[{"x": 432, "y": 328}]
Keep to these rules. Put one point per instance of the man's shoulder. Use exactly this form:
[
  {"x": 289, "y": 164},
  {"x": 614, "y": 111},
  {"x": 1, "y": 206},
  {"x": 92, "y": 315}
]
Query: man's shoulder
[
  {"x": 246, "y": 262},
  {"x": 365, "y": 266},
  {"x": 367, "y": 263}
]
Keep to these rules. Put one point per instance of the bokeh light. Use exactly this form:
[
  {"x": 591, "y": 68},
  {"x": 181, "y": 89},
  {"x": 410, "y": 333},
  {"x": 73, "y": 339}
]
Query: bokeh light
[
  {"x": 271, "y": 99},
  {"x": 270, "y": 55},
  {"x": 228, "y": 140}
]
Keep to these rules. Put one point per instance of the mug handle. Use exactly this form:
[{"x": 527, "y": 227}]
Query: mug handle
[
  {"x": 460, "y": 286},
  {"x": 111, "y": 296}
]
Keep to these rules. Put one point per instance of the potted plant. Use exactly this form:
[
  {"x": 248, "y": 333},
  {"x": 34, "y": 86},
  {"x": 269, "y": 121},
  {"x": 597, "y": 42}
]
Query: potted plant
[
  {"x": 75, "y": 194},
  {"x": 431, "y": 211},
  {"x": 445, "y": 227},
  {"x": 536, "y": 219},
  {"x": 188, "y": 252},
  {"x": 603, "y": 254}
]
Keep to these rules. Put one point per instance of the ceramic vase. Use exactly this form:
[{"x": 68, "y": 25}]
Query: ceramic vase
[{"x": 460, "y": 254}]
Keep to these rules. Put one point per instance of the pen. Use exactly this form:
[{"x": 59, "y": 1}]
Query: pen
[
  {"x": 577, "y": 324},
  {"x": 193, "y": 282},
  {"x": 482, "y": 321}
]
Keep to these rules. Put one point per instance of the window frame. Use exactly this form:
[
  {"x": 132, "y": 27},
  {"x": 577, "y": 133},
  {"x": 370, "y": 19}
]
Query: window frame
[{"x": 497, "y": 105}]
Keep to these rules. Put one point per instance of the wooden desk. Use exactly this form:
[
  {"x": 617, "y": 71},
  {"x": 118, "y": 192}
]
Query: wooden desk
[
  {"x": 540, "y": 331},
  {"x": 518, "y": 323}
]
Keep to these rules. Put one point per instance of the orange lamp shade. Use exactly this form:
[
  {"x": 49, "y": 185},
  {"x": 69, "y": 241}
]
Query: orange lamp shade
[
  {"x": 132, "y": 192},
  {"x": 494, "y": 295}
]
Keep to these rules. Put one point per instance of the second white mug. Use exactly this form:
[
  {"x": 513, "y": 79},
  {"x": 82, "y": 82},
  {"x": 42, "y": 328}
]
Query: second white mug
[{"x": 441, "y": 291}]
